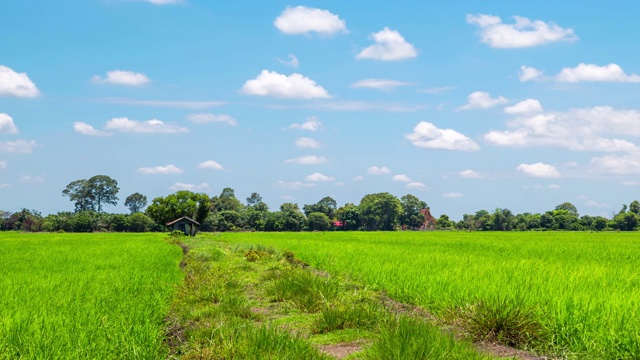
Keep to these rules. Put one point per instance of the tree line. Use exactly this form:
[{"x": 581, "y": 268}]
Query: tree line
[{"x": 225, "y": 212}]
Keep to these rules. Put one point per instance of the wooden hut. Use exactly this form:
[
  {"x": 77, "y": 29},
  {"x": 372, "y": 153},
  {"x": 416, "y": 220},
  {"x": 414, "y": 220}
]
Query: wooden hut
[{"x": 184, "y": 224}]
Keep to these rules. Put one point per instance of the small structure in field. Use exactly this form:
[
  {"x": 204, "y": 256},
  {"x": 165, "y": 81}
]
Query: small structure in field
[
  {"x": 184, "y": 224},
  {"x": 429, "y": 221}
]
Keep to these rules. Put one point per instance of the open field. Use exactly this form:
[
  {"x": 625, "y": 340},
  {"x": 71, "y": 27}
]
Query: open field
[
  {"x": 85, "y": 296},
  {"x": 578, "y": 292}
]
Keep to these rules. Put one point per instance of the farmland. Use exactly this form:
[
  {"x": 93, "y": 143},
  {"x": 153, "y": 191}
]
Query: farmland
[
  {"x": 85, "y": 296},
  {"x": 581, "y": 289}
]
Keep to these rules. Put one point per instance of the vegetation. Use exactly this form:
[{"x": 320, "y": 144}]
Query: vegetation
[
  {"x": 563, "y": 294},
  {"x": 72, "y": 296}
]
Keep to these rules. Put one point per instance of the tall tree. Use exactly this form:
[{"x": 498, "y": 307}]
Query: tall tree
[
  {"x": 255, "y": 202},
  {"x": 78, "y": 191},
  {"x": 135, "y": 202},
  {"x": 572, "y": 209},
  {"x": 380, "y": 211},
  {"x": 349, "y": 216},
  {"x": 326, "y": 206},
  {"x": 411, "y": 206},
  {"x": 93, "y": 193},
  {"x": 226, "y": 201},
  {"x": 181, "y": 203}
]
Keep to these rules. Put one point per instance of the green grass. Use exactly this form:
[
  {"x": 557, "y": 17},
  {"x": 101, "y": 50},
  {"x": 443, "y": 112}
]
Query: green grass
[
  {"x": 576, "y": 294},
  {"x": 85, "y": 296}
]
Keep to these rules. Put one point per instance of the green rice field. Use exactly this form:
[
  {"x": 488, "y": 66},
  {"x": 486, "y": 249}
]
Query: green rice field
[
  {"x": 85, "y": 296},
  {"x": 582, "y": 289}
]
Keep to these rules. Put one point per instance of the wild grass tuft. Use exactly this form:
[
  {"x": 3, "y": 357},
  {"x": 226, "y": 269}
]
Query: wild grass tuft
[
  {"x": 348, "y": 316},
  {"x": 308, "y": 292}
]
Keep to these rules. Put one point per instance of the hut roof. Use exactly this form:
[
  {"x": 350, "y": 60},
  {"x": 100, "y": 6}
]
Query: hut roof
[{"x": 186, "y": 218}]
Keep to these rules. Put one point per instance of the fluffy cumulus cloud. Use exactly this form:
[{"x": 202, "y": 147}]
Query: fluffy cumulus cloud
[
  {"x": 529, "y": 73},
  {"x": 307, "y": 160},
  {"x": 428, "y": 136},
  {"x": 122, "y": 77},
  {"x": 16, "y": 84},
  {"x": 86, "y": 129},
  {"x": 600, "y": 128},
  {"x": 522, "y": 33},
  {"x": 591, "y": 72},
  {"x": 389, "y": 46},
  {"x": 18, "y": 146},
  {"x": 191, "y": 187},
  {"x": 617, "y": 165},
  {"x": 379, "y": 84},
  {"x": 540, "y": 170},
  {"x": 319, "y": 177},
  {"x": 210, "y": 164},
  {"x": 375, "y": 170},
  {"x": 204, "y": 118},
  {"x": 482, "y": 100},
  {"x": 401, "y": 178},
  {"x": 312, "y": 124},
  {"x": 126, "y": 125},
  {"x": 164, "y": 170},
  {"x": 416, "y": 186},
  {"x": 294, "y": 86},
  {"x": 307, "y": 143},
  {"x": 358, "y": 178},
  {"x": 304, "y": 20},
  {"x": 294, "y": 185},
  {"x": 469, "y": 174},
  {"x": 529, "y": 106},
  {"x": 6, "y": 124}
]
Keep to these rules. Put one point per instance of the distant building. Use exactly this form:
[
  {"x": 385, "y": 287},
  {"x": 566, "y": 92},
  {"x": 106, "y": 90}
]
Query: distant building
[{"x": 185, "y": 224}]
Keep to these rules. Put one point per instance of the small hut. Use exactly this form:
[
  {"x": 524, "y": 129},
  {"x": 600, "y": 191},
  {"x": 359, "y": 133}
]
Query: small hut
[{"x": 184, "y": 224}]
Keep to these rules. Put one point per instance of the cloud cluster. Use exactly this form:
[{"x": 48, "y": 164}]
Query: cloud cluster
[
  {"x": 204, "y": 118},
  {"x": 469, "y": 174},
  {"x": 164, "y": 170},
  {"x": 191, "y": 187},
  {"x": 18, "y": 146},
  {"x": 16, "y": 84},
  {"x": 539, "y": 170},
  {"x": 312, "y": 124},
  {"x": 125, "y": 125},
  {"x": 294, "y": 86},
  {"x": 528, "y": 106},
  {"x": 307, "y": 160},
  {"x": 319, "y": 177},
  {"x": 522, "y": 33},
  {"x": 307, "y": 143},
  {"x": 122, "y": 77},
  {"x": 482, "y": 100},
  {"x": 582, "y": 73},
  {"x": 389, "y": 46},
  {"x": 428, "y": 136},
  {"x": 304, "y": 20},
  {"x": 375, "y": 170},
  {"x": 210, "y": 164}
]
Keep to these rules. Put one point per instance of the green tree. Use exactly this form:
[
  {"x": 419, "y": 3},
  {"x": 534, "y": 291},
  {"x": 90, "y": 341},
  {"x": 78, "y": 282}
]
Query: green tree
[
  {"x": 93, "y": 193},
  {"x": 79, "y": 192},
  {"x": 318, "y": 221},
  {"x": 135, "y": 202},
  {"x": 291, "y": 218},
  {"x": 226, "y": 201},
  {"x": 572, "y": 209},
  {"x": 349, "y": 216},
  {"x": 326, "y": 206},
  {"x": 139, "y": 222},
  {"x": 380, "y": 211},
  {"x": 411, "y": 206},
  {"x": 444, "y": 223},
  {"x": 255, "y": 202},
  {"x": 182, "y": 203},
  {"x": 634, "y": 207}
]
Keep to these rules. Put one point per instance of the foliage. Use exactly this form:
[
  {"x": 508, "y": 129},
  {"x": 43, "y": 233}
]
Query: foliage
[
  {"x": 93, "y": 193},
  {"x": 181, "y": 203},
  {"x": 227, "y": 201},
  {"x": 325, "y": 206},
  {"x": 318, "y": 221},
  {"x": 349, "y": 216},
  {"x": 135, "y": 202},
  {"x": 380, "y": 211},
  {"x": 411, "y": 216}
]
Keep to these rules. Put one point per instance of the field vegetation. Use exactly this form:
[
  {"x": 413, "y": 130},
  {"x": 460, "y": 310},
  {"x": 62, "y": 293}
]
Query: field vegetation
[{"x": 85, "y": 296}]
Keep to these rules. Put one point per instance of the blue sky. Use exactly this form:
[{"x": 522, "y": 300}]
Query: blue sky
[{"x": 468, "y": 105}]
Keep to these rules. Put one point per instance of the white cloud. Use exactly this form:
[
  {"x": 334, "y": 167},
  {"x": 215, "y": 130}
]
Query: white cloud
[
  {"x": 164, "y": 103},
  {"x": 210, "y": 164},
  {"x": 191, "y": 187},
  {"x": 401, "y": 178},
  {"x": 203, "y": 118},
  {"x": 630, "y": 183},
  {"x": 6, "y": 124},
  {"x": 617, "y": 165},
  {"x": 592, "y": 72},
  {"x": 307, "y": 160},
  {"x": 358, "y": 178},
  {"x": 528, "y": 73},
  {"x": 293, "y": 61},
  {"x": 438, "y": 90},
  {"x": 16, "y": 84},
  {"x": 150, "y": 126},
  {"x": 312, "y": 124},
  {"x": 529, "y": 106},
  {"x": 577, "y": 129},
  {"x": 375, "y": 170},
  {"x": 303, "y": 20},
  {"x": 165, "y": 170},
  {"x": 482, "y": 100},
  {"x": 426, "y": 135},
  {"x": 122, "y": 77},
  {"x": 18, "y": 146},
  {"x": 317, "y": 177},
  {"x": 469, "y": 174},
  {"x": 295, "y": 185},
  {"x": 307, "y": 143},
  {"x": 452, "y": 195},
  {"x": 28, "y": 179},
  {"x": 389, "y": 46},
  {"x": 3, "y": 165},
  {"x": 380, "y": 84},
  {"x": 294, "y": 86},
  {"x": 416, "y": 186},
  {"x": 86, "y": 129},
  {"x": 522, "y": 33},
  {"x": 540, "y": 170}
]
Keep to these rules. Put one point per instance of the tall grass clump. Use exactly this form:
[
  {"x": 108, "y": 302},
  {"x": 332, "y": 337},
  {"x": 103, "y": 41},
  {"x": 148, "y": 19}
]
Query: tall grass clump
[
  {"x": 85, "y": 296},
  {"x": 306, "y": 291}
]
